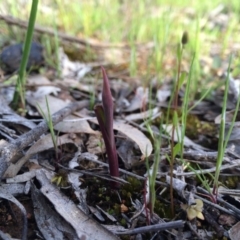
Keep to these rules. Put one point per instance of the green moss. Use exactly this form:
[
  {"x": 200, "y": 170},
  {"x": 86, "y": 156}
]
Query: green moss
[
  {"x": 230, "y": 182},
  {"x": 195, "y": 127},
  {"x": 123, "y": 222},
  {"x": 134, "y": 188},
  {"x": 117, "y": 208}
]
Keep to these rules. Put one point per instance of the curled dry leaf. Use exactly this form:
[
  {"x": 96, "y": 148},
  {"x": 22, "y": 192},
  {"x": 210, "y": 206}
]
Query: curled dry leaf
[
  {"x": 71, "y": 83},
  {"x": 43, "y": 90},
  {"x": 234, "y": 232},
  {"x": 126, "y": 152},
  {"x": 139, "y": 100},
  {"x": 143, "y": 115},
  {"x": 72, "y": 124},
  {"x": 6, "y": 195},
  {"x": 42, "y": 211},
  {"x": 84, "y": 226},
  {"x": 27, "y": 176},
  {"x": 137, "y": 136},
  {"x": 55, "y": 104},
  {"x": 46, "y": 143},
  {"x": 134, "y": 134},
  {"x": 70, "y": 69}
]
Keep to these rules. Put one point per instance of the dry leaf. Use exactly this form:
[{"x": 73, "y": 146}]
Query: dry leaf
[
  {"x": 139, "y": 100},
  {"x": 71, "y": 69},
  {"x": 85, "y": 227},
  {"x": 137, "y": 136},
  {"x": 134, "y": 134},
  {"x": 234, "y": 232},
  {"x": 143, "y": 115},
  {"x": 71, "y": 83},
  {"x": 55, "y": 104},
  {"x": 72, "y": 124},
  {"x": 46, "y": 143}
]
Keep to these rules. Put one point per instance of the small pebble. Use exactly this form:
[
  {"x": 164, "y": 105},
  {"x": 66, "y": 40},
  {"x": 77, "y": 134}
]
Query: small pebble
[{"x": 11, "y": 56}]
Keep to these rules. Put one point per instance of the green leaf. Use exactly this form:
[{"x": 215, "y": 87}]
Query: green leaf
[
  {"x": 181, "y": 79},
  {"x": 176, "y": 149}
]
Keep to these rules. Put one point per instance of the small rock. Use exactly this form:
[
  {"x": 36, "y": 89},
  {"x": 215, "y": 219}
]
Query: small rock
[{"x": 11, "y": 56}]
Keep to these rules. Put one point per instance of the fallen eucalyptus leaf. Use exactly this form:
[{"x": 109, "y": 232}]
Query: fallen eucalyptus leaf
[
  {"x": 51, "y": 225},
  {"x": 234, "y": 232},
  {"x": 72, "y": 124},
  {"x": 139, "y": 100},
  {"x": 6, "y": 195},
  {"x": 22, "y": 177},
  {"x": 85, "y": 227},
  {"x": 46, "y": 143},
  {"x": 136, "y": 135},
  {"x": 143, "y": 115}
]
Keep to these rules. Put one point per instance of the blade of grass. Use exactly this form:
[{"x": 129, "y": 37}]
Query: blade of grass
[
  {"x": 49, "y": 121},
  {"x": 21, "y": 81},
  {"x": 221, "y": 141}
]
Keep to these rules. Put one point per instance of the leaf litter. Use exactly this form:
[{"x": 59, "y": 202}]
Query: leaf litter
[{"x": 69, "y": 194}]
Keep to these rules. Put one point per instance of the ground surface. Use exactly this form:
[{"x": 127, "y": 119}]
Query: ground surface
[{"x": 167, "y": 63}]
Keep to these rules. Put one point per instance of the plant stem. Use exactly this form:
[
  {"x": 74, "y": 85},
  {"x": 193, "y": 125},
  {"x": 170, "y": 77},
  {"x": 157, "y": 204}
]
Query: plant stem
[
  {"x": 175, "y": 106},
  {"x": 222, "y": 143},
  {"x": 104, "y": 114},
  {"x": 21, "y": 81}
]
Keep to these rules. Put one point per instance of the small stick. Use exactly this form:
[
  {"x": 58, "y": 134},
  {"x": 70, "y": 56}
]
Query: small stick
[
  {"x": 153, "y": 228},
  {"x": 65, "y": 37}
]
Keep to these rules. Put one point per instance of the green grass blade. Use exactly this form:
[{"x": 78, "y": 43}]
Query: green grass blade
[
  {"x": 21, "y": 82},
  {"x": 221, "y": 143}
]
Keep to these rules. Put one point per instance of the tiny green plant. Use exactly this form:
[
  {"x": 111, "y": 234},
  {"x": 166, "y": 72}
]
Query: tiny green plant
[
  {"x": 21, "y": 81},
  {"x": 152, "y": 174},
  {"x": 152, "y": 171},
  {"x": 180, "y": 77},
  {"x": 60, "y": 178},
  {"x": 48, "y": 119},
  {"x": 223, "y": 140},
  {"x": 104, "y": 114}
]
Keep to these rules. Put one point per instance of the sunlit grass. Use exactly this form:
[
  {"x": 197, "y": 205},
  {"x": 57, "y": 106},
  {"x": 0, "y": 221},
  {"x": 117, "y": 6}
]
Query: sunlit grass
[
  {"x": 161, "y": 22},
  {"x": 117, "y": 21}
]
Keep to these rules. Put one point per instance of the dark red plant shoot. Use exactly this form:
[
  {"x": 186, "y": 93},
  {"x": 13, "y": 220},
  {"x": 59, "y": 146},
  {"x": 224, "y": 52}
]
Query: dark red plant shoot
[{"x": 104, "y": 113}]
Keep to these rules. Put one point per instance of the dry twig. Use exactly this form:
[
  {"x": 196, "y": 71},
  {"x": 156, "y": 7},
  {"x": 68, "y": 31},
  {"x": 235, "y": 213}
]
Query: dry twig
[{"x": 65, "y": 37}]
